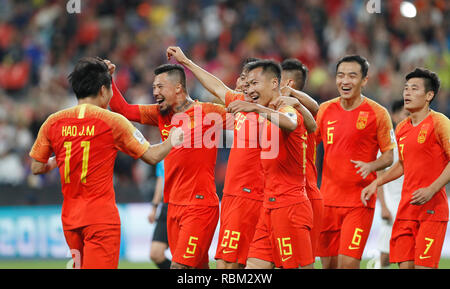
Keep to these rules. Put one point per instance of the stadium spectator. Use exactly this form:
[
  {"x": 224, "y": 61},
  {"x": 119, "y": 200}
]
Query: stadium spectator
[{"x": 45, "y": 38}]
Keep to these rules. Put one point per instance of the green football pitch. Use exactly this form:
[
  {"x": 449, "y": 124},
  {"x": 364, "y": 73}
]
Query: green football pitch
[{"x": 62, "y": 264}]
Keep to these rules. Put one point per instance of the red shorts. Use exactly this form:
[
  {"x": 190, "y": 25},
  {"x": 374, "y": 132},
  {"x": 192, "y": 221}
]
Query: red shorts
[
  {"x": 282, "y": 236},
  {"x": 317, "y": 208},
  {"x": 94, "y": 246},
  {"x": 190, "y": 230},
  {"x": 418, "y": 241},
  {"x": 238, "y": 219},
  {"x": 344, "y": 231}
]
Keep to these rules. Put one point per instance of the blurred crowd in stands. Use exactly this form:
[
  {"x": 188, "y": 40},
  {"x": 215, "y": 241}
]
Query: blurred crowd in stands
[{"x": 40, "y": 41}]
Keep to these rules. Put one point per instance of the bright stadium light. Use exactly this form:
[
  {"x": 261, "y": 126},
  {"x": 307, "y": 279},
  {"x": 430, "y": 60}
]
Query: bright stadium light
[{"x": 408, "y": 10}]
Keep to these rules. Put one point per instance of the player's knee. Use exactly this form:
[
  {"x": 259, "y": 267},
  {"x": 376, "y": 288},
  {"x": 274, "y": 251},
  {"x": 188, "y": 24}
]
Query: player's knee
[
  {"x": 253, "y": 263},
  {"x": 176, "y": 265},
  {"x": 222, "y": 264},
  {"x": 346, "y": 262},
  {"x": 157, "y": 256}
]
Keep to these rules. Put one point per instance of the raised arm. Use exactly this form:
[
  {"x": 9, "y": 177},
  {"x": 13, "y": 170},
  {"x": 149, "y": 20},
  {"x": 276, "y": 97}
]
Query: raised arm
[
  {"x": 278, "y": 118},
  {"x": 156, "y": 153},
  {"x": 214, "y": 85},
  {"x": 307, "y": 101},
  {"x": 308, "y": 119},
  {"x": 118, "y": 103}
]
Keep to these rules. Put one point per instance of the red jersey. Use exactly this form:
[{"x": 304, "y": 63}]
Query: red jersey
[
  {"x": 244, "y": 176},
  {"x": 188, "y": 170},
  {"x": 85, "y": 140},
  {"x": 351, "y": 135},
  {"x": 425, "y": 152},
  {"x": 312, "y": 189},
  {"x": 285, "y": 172}
]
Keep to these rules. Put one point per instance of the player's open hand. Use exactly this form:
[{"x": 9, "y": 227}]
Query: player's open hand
[
  {"x": 241, "y": 106},
  {"x": 364, "y": 168},
  {"x": 368, "y": 191},
  {"x": 421, "y": 196},
  {"x": 177, "y": 53},
  {"x": 176, "y": 136},
  {"x": 111, "y": 66}
]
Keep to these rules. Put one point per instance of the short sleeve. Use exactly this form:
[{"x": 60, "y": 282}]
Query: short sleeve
[
  {"x": 217, "y": 109},
  {"x": 385, "y": 131},
  {"x": 442, "y": 131},
  {"x": 149, "y": 114},
  {"x": 292, "y": 113},
  {"x": 128, "y": 138},
  {"x": 42, "y": 150},
  {"x": 231, "y": 96}
]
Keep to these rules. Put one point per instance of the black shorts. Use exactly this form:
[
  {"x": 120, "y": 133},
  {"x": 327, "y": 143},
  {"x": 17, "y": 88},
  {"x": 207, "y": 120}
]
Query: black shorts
[{"x": 160, "y": 233}]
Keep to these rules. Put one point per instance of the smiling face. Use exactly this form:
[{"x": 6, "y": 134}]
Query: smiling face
[
  {"x": 349, "y": 80},
  {"x": 415, "y": 96},
  {"x": 261, "y": 86},
  {"x": 241, "y": 82},
  {"x": 164, "y": 91}
]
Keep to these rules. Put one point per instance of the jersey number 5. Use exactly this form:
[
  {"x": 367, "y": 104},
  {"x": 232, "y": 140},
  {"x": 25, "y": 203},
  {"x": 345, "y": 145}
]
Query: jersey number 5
[{"x": 68, "y": 145}]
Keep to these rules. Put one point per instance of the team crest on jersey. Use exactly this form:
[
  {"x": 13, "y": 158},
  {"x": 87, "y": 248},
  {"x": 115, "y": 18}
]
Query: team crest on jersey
[
  {"x": 363, "y": 117},
  {"x": 423, "y": 133}
]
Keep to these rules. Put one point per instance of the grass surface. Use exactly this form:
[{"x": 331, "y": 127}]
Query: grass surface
[{"x": 62, "y": 264}]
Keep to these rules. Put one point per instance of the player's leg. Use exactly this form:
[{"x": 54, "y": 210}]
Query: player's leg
[
  {"x": 290, "y": 236},
  {"x": 383, "y": 245},
  {"x": 255, "y": 263},
  {"x": 101, "y": 246},
  {"x": 402, "y": 243},
  {"x": 173, "y": 228},
  {"x": 160, "y": 241},
  {"x": 236, "y": 232},
  {"x": 406, "y": 265},
  {"x": 384, "y": 260},
  {"x": 354, "y": 234},
  {"x": 157, "y": 254},
  {"x": 317, "y": 208},
  {"x": 260, "y": 254},
  {"x": 197, "y": 227},
  {"x": 75, "y": 242},
  {"x": 329, "y": 262},
  {"x": 429, "y": 242},
  {"x": 346, "y": 262},
  {"x": 328, "y": 245}
]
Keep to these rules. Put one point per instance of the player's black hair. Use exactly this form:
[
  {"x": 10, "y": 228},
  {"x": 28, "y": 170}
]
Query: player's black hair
[
  {"x": 299, "y": 70},
  {"x": 88, "y": 76},
  {"x": 247, "y": 61},
  {"x": 268, "y": 66},
  {"x": 362, "y": 61},
  {"x": 430, "y": 78},
  {"x": 173, "y": 70},
  {"x": 397, "y": 105}
]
